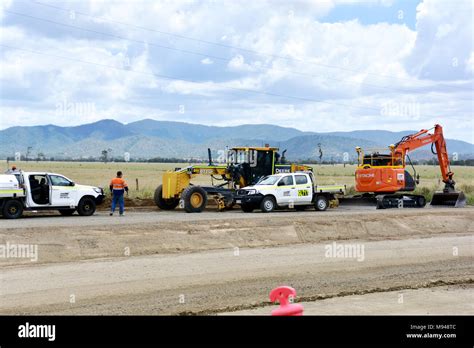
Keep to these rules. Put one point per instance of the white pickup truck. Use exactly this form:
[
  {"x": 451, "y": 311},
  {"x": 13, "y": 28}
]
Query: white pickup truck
[
  {"x": 287, "y": 190},
  {"x": 21, "y": 191}
]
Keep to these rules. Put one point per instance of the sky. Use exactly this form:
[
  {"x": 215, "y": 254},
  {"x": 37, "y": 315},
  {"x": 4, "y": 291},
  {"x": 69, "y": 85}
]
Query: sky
[{"x": 322, "y": 66}]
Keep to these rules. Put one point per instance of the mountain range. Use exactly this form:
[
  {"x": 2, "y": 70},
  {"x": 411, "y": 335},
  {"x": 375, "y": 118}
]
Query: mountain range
[{"x": 150, "y": 139}]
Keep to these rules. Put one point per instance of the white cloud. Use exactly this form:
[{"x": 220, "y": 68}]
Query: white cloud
[
  {"x": 210, "y": 88},
  {"x": 444, "y": 40},
  {"x": 54, "y": 78},
  {"x": 4, "y": 4},
  {"x": 470, "y": 63},
  {"x": 237, "y": 63},
  {"x": 444, "y": 30},
  {"x": 207, "y": 61}
]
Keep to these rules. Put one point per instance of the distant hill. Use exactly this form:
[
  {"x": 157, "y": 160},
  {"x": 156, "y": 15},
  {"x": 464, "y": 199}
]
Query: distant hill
[
  {"x": 149, "y": 138},
  {"x": 198, "y": 134}
]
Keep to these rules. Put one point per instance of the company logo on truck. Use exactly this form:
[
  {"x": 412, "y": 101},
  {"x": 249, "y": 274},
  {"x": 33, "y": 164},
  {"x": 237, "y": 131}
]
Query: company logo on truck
[{"x": 286, "y": 169}]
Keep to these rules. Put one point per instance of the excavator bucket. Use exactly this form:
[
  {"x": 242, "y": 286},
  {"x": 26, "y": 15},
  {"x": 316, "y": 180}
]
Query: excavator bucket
[{"x": 449, "y": 199}]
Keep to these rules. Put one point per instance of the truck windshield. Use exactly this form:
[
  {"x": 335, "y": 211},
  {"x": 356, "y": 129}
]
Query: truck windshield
[{"x": 269, "y": 180}]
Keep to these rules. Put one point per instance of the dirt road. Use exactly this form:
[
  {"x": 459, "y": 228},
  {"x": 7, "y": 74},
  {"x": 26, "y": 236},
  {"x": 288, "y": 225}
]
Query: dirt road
[
  {"x": 176, "y": 263},
  {"x": 217, "y": 281}
]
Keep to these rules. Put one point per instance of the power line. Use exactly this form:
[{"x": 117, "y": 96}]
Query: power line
[
  {"x": 225, "y": 45},
  {"x": 160, "y": 76},
  {"x": 202, "y": 54}
]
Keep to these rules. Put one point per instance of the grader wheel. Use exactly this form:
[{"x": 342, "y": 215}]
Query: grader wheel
[
  {"x": 194, "y": 199},
  {"x": 165, "y": 204}
]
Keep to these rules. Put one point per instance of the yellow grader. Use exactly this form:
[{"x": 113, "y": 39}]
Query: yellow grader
[{"x": 243, "y": 166}]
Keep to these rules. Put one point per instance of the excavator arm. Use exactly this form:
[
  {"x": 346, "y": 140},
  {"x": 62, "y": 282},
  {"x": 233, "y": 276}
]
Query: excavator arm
[
  {"x": 449, "y": 196},
  {"x": 423, "y": 138}
]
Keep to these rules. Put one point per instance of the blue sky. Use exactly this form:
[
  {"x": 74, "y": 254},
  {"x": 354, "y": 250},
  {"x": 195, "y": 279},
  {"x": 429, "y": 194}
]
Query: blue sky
[
  {"x": 329, "y": 65},
  {"x": 373, "y": 12}
]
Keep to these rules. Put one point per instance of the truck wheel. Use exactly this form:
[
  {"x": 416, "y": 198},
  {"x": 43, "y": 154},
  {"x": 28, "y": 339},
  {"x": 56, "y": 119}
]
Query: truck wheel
[
  {"x": 268, "y": 204},
  {"x": 246, "y": 208},
  {"x": 86, "y": 206},
  {"x": 66, "y": 212},
  {"x": 164, "y": 204},
  {"x": 12, "y": 209},
  {"x": 194, "y": 198},
  {"x": 321, "y": 203}
]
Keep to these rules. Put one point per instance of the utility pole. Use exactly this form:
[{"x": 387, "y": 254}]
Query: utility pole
[{"x": 28, "y": 151}]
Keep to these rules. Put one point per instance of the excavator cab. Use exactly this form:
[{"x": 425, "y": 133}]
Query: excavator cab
[{"x": 382, "y": 173}]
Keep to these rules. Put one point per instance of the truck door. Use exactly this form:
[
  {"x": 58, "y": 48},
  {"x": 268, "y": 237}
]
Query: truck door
[
  {"x": 304, "y": 191},
  {"x": 63, "y": 193},
  {"x": 285, "y": 191},
  {"x": 38, "y": 190}
]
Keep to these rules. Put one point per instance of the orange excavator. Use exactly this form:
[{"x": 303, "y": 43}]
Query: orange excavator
[{"x": 384, "y": 177}]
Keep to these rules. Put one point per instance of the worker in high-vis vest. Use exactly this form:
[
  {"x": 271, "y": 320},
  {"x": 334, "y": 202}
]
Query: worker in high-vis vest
[
  {"x": 118, "y": 187},
  {"x": 11, "y": 171}
]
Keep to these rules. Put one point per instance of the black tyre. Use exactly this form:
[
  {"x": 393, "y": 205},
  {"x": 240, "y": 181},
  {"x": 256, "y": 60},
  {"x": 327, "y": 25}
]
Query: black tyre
[
  {"x": 66, "y": 212},
  {"x": 321, "y": 203},
  {"x": 164, "y": 204},
  {"x": 421, "y": 201},
  {"x": 246, "y": 208},
  {"x": 194, "y": 198},
  {"x": 12, "y": 209},
  {"x": 268, "y": 204},
  {"x": 86, "y": 206}
]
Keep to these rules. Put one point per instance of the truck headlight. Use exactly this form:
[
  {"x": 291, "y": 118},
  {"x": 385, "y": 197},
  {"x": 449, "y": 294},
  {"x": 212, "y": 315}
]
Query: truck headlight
[
  {"x": 97, "y": 190},
  {"x": 251, "y": 192}
]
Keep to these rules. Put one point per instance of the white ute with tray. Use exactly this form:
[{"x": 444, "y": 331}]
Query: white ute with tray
[
  {"x": 20, "y": 191},
  {"x": 287, "y": 190}
]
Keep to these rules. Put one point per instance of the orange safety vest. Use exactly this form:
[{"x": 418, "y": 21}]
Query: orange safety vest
[{"x": 118, "y": 184}]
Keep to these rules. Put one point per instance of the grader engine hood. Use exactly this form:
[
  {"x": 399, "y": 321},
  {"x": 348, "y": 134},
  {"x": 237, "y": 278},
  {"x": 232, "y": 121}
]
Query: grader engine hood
[{"x": 174, "y": 183}]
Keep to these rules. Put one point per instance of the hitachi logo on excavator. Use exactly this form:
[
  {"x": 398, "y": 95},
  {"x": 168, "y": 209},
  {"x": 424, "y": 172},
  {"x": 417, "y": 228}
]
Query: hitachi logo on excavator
[{"x": 368, "y": 175}]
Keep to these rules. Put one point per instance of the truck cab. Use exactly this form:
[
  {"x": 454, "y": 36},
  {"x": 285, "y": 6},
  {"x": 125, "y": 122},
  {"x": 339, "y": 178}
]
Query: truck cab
[
  {"x": 21, "y": 191},
  {"x": 287, "y": 190}
]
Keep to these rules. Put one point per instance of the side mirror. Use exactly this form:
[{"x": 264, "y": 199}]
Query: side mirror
[
  {"x": 281, "y": 183},
  {"x": 72, "y": 184}
]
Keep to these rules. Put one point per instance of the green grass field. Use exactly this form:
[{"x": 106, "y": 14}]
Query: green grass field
[{"x": 149, "y": 175}]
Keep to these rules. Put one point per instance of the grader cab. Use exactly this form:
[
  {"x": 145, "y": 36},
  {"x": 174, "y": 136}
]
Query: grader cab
[{"x": 242, "y": 166}]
